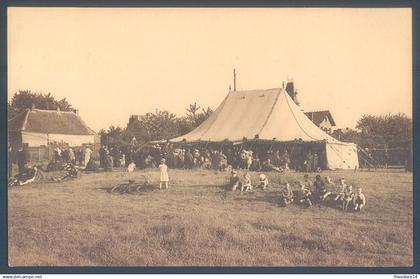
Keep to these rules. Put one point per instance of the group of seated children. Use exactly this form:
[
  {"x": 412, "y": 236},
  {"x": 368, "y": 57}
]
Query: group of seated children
[
  {"x": 245, "y": 184},
  {"x": 321, "y": 190}
]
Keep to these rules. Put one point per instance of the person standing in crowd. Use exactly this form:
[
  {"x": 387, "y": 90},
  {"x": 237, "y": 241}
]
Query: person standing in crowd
[
  {"x": 9, "y": 162},
  {"x": 315, "y": 164},
  {"x": 164, "y": 177},
  {"x": 131, "y": 167},
  {"x": 22, "y": 159},
  {"x": 72, "y": 157},
  {"x": 122, "y": 160},
  {"x": 286, "y": 160},
  {"x": 65, "y": 156},
  {"x": 308, "y": 162},
  {"x": 189, "y": 159},
  {"x": 256, "y": 163},
  {"x": 129, "y": 156},
  {"x": 102, "y": 152},
  {"x": 88, "y": 153},
  {"x": 79, "y": 156},
  {"x": 57, "y": 154},
  {"x": 109, "y": 162}
]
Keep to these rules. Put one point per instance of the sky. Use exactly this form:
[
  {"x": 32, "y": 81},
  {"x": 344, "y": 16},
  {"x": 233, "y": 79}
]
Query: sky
[{"x": 111, "y": 63}]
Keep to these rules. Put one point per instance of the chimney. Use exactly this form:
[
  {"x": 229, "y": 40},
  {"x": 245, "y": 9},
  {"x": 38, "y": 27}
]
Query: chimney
[
  {"x": 58, "y": 108},
  {"x": 290, "y": 89}
]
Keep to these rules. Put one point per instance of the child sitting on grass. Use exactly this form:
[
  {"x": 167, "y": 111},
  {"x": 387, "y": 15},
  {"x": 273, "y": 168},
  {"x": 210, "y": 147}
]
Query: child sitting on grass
[
  {"x": 247, "y": 184},
  {"x": 329, "y": 183},
  {"x": 164, "y": 177},
  {"x": 320, "y": 188},
  {"x": 263, "y": 182},
  {"x": 359, "y": 200},
  {"x": 305, "y": 195},
  {"x": 287, "y": 194},
  {"x": 307, "y": 182},
  {"x": 234, "y": 181},
  {"x": 347, "y": 197},
  {"x": 340, "y": 189}
]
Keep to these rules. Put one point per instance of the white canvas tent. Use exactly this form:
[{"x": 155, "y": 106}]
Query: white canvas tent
[{"x": 268, "y": 115}]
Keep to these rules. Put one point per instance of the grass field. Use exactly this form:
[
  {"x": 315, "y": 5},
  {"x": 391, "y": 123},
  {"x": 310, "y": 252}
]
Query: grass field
[{"x": 198, "y": 223}]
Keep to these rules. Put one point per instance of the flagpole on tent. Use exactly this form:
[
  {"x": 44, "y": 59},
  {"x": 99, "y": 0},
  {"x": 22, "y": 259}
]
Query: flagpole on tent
[{"x": 234, "y": 79}]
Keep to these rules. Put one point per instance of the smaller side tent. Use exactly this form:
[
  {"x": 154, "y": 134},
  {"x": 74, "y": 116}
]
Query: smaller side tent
[{"x": 341, "y": 155}]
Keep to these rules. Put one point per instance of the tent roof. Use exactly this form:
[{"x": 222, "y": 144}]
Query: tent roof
[
  {"x": 49, "y": 122},
  {"x": 268, "y": 114}
]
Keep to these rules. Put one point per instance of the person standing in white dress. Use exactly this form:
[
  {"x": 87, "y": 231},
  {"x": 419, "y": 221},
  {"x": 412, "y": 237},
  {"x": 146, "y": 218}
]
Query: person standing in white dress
[
  {"x": 164, "y": 177},
  {"x": 88, "y": 153}
]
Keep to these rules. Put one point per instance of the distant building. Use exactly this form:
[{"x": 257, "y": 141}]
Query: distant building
[
  {"x": 323, "y": 119},
  {"x": 39, "y": 129}
]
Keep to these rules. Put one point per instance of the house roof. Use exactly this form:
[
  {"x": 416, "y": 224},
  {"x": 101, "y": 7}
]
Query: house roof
[
  {"x": 49, "y": 122},
  {"x": 318, "y": 116},
  {"x": 268, "y": 114}
]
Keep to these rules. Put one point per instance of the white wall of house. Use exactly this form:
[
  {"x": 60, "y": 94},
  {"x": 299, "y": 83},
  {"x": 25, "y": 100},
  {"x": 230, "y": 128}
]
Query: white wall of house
[
  {"x": 38, "y": 139},
  {"x": 326, "y": 124}
]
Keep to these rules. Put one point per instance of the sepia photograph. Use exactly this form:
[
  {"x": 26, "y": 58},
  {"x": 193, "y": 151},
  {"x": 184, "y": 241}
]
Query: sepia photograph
[{"x": 209, "y": 137}]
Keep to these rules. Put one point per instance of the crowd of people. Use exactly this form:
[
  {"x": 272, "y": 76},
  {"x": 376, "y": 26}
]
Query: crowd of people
[
  {"x": 77, "y": 156},
  {"x": 234, "y": 157},
  {"x": 64, "y": 158},
  {"x": 320, "y": 190}
]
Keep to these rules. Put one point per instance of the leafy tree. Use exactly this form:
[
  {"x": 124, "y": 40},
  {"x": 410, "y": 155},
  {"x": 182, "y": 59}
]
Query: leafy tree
[
  {"x": 154, "y": 126},
  {"x": 388, "y": 137},
  {"x": 165, "y": 125},
  {"x": 24, "y": 99},
  {"x": 115, "y": 137},
  {"x": 392, "y": 131},
  {"x": 202, "y": 116},
  {"x": 195, "y": 116}
]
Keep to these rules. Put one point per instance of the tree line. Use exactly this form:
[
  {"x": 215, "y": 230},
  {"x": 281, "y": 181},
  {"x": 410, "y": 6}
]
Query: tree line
[
  {"x": 157, "y": 125},
  {"x": 25, "y": 99}
]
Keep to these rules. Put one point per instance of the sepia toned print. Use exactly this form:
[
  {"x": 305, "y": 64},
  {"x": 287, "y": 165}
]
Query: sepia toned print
[{"x": 210, "y": 137}]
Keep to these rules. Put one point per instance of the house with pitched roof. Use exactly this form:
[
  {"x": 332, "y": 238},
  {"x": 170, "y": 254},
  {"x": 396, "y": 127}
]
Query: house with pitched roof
[
  {"x": 323, "y": 119},
  {"x": 36, "y": 128}
]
